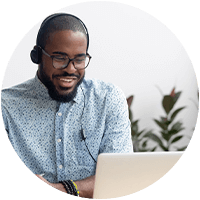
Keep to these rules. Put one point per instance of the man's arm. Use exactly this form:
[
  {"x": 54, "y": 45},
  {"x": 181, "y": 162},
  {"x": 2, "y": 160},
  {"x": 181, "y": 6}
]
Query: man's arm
[
  {"x": 117, "y": 133},
  {"x": 85, "y": 186}
]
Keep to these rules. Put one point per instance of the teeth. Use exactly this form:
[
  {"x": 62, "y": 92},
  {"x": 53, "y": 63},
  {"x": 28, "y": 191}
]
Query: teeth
[{"x": 66, "y": 80}]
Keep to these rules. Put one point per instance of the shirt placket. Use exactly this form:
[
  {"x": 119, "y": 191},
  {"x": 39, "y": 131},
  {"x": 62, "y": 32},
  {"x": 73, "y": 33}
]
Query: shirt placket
[{"x": 59, "y": 139}]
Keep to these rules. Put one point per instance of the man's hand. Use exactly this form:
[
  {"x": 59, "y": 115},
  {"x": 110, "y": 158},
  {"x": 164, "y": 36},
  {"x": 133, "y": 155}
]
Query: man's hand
[{"x": 58, "y": 186}]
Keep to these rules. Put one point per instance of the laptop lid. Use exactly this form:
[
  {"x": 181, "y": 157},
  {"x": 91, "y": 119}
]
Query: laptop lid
[{"x": 119, "y": 174}]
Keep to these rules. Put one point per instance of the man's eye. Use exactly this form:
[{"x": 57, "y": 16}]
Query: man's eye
[
  {"x": 59, "y": 59},
  {"x": 79, "y": 60}
]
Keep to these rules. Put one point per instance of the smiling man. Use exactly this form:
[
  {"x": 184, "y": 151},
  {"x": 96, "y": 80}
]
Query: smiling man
[
  {"x": 63, "y": 45},
  {"x": 59, "y": 121}
]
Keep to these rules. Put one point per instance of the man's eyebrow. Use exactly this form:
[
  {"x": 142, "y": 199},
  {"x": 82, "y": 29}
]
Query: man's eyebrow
[
  {"x": 59, "y": 52},
  {"x": 65, "y": 54}
]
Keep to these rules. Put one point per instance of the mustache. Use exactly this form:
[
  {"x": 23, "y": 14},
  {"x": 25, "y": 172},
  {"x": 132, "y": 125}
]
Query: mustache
[{"x": 65, "y": 74}]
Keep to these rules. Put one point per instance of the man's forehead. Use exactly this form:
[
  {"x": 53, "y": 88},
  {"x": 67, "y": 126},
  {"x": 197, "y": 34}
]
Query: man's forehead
[
  {"x": 67, "y": 42},
  {"x": 59, "y": 36}
]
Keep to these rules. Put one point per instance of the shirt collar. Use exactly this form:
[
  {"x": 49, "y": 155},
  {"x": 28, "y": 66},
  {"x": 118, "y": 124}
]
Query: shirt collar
[
  {"x": 41, "y": 90},
  {"x": 79, "y": 95}
]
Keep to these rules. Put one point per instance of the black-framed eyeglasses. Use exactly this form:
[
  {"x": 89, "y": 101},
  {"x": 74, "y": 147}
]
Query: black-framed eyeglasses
[{"x": 62, "y": 61}]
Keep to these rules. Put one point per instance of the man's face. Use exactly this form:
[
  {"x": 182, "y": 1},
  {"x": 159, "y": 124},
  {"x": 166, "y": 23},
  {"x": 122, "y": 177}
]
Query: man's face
[{"x": 62, "y": 83}]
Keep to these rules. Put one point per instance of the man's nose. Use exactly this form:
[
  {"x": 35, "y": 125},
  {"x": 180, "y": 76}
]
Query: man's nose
[{"x": 70, "y": 69}]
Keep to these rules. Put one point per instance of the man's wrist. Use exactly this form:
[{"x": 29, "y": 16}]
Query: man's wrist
[{"x": 70, "y": 187}]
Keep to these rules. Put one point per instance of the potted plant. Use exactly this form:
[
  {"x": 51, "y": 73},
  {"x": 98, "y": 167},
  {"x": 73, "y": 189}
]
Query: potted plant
[{"x": 169, "y": 128}]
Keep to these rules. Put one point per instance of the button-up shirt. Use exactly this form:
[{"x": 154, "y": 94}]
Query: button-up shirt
[{"x": 48, "y": 135}]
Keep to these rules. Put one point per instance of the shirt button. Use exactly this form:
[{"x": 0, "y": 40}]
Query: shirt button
[
  {"x": 59, "y": 140},
  {"x": 60, "y": 166},
  {"x": 59, "y": 114}
]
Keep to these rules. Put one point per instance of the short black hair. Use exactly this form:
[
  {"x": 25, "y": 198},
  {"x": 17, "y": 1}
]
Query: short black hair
[{"x": 59, "y": 23}]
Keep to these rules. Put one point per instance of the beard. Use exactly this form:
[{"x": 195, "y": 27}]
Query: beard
[{"x": 53, "y": 92}]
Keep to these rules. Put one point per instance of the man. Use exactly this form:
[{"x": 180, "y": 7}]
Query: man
[{"x": 59, "y": 121}]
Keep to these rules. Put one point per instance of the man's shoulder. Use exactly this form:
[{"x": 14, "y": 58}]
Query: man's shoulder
[
  {"x": 17, "y": 90},
  {"x": 99, "y": 85},
  {"x": 102, "y": 89}
]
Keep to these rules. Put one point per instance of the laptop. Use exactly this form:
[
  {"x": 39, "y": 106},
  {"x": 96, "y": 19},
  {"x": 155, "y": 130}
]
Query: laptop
[{"x": 120, "y": 174}]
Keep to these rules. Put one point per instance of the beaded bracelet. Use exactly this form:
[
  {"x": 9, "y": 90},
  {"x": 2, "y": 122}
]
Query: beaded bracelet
[
  {"x": 76, "y": 188},
  {"x": 70, "y": 187}
]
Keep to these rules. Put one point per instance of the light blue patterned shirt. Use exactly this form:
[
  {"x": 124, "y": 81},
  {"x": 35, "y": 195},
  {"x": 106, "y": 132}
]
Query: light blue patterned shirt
[{"x": 47, "y": 136}]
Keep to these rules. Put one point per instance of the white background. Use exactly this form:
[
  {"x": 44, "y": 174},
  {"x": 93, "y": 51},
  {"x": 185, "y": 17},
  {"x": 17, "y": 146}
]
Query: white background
[{"x": 133, "y": 50}]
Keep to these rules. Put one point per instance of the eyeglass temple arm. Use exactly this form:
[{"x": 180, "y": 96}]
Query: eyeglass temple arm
[{"x": 46, "y": 53}]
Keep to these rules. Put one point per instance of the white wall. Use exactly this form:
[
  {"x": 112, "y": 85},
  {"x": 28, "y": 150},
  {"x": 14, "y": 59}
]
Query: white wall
[{"x": 131, "y": 49}]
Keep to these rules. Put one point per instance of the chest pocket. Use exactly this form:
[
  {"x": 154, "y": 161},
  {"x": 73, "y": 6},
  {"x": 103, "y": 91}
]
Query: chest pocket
[{"x": 85, "y": 148}]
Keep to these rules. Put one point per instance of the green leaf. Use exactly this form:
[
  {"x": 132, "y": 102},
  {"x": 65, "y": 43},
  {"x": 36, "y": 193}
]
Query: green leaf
[
  {"x": 167, "y": 103},
  {"x": 144, "y": 144},
  {"x": 130, "y": 115},
  {"x": 176, "y": 139},
  {"x": 134, "y": 122},
  {"x": 176, "y": 97},
  {"x": 177, "y": 127},
  {"x": 155, "y": 138},
  {"x": 140, "y": 133},
  {"x": 172, "y": 132},
  {"x": 164, "y": 120},
  {"x": 153, "y": 149},
  {"x": 134, "y": 126},
  {"x": 166, "y": 136},
  {"x": 182, "y": 148},
  {"x": 163, "y": 126},
  {"x": 176, "y": 112}
]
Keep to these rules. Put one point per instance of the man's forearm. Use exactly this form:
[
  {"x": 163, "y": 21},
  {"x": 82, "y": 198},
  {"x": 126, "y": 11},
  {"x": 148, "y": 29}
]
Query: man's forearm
[{"x": 86, "y": 187}]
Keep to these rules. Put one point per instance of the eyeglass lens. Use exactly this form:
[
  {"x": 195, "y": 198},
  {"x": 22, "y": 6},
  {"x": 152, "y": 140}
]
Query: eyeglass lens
[{"x": 80, "y": 62}]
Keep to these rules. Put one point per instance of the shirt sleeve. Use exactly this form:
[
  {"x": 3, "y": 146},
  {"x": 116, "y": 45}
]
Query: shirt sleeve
[
  {"x": 4, "y": 115},
  {"x": 117, "y": 135}
]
